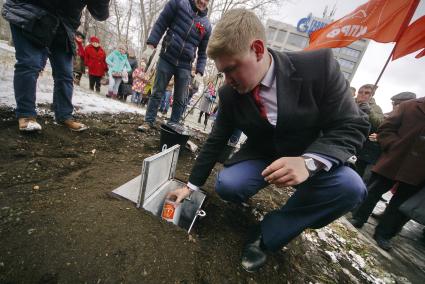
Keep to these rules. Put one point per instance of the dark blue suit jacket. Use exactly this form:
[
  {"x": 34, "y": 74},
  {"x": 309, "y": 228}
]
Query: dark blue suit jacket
[{"x": 316, "y": 114}]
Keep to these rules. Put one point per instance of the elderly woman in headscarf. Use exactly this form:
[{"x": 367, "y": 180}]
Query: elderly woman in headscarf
[
  {"x": 207, "y": 102},
  {"x": 119, "y": 67}
]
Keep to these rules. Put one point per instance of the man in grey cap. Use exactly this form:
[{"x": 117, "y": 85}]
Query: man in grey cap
[
  {"x": 398, "y": 99},
  {"x": 401, "y": 97}
]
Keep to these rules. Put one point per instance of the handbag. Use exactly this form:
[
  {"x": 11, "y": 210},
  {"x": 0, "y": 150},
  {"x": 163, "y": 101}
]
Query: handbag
[
  {"x": 116, "y": 74},
  {"x": 124, "y": 76},
  {"x": 104, "y": 81},
  {"x": 414, "y": 207}
]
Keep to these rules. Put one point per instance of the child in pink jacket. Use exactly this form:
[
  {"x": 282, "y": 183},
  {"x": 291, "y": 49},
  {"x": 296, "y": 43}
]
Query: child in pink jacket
[{"x": 139, "y": 82}]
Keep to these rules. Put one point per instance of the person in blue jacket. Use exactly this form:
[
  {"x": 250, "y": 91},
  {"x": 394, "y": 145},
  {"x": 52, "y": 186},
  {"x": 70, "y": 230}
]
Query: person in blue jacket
[
  {"x": 118, "y": 66},
  {"x": 187, "y": 31}
]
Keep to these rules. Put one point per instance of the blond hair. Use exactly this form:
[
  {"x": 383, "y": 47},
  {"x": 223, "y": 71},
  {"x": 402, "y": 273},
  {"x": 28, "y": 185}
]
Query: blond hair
[{"x": 234, "y": 33}]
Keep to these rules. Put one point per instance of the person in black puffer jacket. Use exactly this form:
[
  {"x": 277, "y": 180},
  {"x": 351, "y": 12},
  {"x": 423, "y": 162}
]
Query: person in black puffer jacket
[
  {"x": 41, "y": 29},
  {"x": 187, "y": 31}
]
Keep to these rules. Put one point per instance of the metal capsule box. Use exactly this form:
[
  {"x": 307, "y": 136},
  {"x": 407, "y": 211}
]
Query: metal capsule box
[{"x": 149, "y": 189}]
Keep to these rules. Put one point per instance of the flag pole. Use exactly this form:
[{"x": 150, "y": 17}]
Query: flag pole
[
  {"x": 400, "y": 33},
  {"x": 383, "y": 69}
]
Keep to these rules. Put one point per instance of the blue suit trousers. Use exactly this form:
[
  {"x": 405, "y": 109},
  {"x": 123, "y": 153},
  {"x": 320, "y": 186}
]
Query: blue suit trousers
[{"x": 315, "y": 203}]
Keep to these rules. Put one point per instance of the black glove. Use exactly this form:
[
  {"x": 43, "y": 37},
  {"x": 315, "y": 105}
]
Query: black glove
[{"x": 364, "y": 107}]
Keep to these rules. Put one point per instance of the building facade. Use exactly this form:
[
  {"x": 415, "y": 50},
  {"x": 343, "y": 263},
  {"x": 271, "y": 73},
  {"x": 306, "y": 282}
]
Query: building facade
[{"x": 285, "y": 37}]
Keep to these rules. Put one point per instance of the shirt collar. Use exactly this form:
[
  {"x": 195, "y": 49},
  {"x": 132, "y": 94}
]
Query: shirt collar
[{"x": 269, "y": 77}]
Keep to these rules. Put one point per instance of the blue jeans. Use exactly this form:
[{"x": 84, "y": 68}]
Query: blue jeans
[
  {"x": 136, "y": 97},
  {"x": 30, "y": 60},
  {"x": 114, "y": 84},
  {"x": 164, "y": 73},
  {"x": 165, "y": 102},
  {"x": 316, "y": 202}
]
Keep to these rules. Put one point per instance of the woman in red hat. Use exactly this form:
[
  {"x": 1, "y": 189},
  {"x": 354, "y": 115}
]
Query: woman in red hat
[{"x": 95, "y": 61}]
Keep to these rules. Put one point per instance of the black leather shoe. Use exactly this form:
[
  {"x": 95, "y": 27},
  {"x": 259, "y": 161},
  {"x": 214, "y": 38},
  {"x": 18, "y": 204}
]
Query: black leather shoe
[
  {"x": 382, "y": 242},
  {"x": 254, "y": 254},
  {"x": 356, "y": 223}
]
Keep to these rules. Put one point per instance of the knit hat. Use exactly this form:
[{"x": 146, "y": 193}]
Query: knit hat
[{"x": 94, "y": 39}]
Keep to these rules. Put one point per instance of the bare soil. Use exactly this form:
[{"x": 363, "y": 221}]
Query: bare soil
[{"x": 58, "y": 224}]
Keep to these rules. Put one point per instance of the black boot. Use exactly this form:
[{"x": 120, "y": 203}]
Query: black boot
[
  {"x": 254, "y": 253},
  {"x": 382, "y": 242},
  {"x": 356, "y": 222},
  {"x": 206, "y": 119}
]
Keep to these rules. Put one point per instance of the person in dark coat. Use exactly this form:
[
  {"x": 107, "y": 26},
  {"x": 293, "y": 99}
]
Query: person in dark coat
[
  {"x": 402, "y": 139},
  {"x": 207, "y": 102},
  {"x": 401, "y": 97},
  {"x": 95, "y": 60},
  {"x": 42, "y": 29},
  {"x": 370, "y": 152},
  {"x": 187, "y": 30},
  {"x": 302, "y": 126},
  {"x": 78, "y": 62}
]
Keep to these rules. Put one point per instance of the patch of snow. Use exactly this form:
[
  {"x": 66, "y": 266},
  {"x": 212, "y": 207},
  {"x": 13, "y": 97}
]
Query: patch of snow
[
  {"x": 309, "y": 237},
  {"x": 6, "y": 47},
  {"x": 322, "y": 235},
  {"x": 84, "y": 101},
  {"x": 258, "y": 215},
  {"x": 332, "y": 256},
  {"x": 358, "y": 259}
]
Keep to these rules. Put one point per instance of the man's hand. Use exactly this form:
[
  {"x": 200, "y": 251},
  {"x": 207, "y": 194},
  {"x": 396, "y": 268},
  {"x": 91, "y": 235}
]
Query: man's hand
[
  {"x": 365, "y": 107},
  {"x": 286, "y": 171},
  {"x": 198, "y": 78},
  {"x": 148, "y": 52},
  {"x": 373, "y": 137},
  {"x": 179, "y": 194}
]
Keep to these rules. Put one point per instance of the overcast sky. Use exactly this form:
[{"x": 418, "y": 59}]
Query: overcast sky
[{"x": 404, "y": 74}]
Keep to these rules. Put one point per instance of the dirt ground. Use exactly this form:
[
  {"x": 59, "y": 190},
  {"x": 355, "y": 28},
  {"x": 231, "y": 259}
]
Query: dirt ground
[{"x": 59, "y": 225}]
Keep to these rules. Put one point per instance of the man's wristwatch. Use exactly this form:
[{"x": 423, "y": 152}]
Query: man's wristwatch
[{"x": 311, "y": 166}]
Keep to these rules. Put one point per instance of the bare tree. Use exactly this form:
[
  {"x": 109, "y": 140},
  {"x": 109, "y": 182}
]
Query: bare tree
[
  {"x": 129, "y": 14},
  {"x": 117, "y": 14},
  {"x": 149, "y": 14},
  {"x": 85, "y": 23},
  {"x": 217, "y": 8}
]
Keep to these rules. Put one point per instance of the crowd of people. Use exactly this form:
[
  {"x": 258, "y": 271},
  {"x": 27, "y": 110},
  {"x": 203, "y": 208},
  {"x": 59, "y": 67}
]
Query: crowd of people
[
  {"x": 391, "y": 159},
  {"x": 305, "y": 126}
]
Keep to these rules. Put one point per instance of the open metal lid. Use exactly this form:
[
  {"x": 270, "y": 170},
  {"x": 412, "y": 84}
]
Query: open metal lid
[{"x": 156, "y": 171}]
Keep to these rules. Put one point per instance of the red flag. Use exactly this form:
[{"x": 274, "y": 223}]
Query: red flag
[
  {"x": 380, "y": 20},
  {"x": 412, "y": 39},
  {"x": 420, "y": 54}
]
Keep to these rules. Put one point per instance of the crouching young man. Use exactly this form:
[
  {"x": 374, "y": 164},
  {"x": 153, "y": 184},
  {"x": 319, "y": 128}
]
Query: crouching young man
[{"x": 302, "y": 126}]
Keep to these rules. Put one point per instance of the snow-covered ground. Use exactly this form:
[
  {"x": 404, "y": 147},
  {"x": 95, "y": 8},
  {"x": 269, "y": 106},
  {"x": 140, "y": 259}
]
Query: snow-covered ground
[{"x": 84, "y": 101}]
